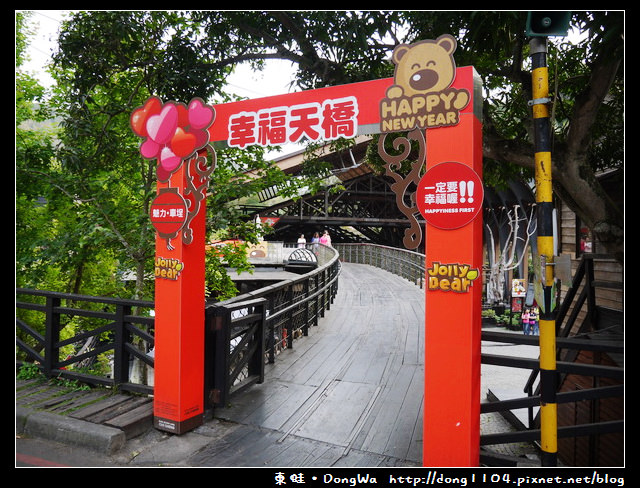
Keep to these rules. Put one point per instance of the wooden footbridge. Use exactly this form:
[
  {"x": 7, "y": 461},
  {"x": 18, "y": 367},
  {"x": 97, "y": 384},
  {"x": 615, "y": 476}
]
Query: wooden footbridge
[{"x": 348, "y": 393}]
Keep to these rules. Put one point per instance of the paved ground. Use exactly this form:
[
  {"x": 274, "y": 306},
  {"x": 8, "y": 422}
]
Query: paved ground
[{"x": 342, "y": 414}]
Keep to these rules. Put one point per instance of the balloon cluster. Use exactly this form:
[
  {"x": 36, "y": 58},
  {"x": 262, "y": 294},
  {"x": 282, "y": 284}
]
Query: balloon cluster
[{"x": 172, "y": 131}]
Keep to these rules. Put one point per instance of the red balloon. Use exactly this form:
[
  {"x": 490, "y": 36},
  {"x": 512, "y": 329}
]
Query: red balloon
[
  {"x": 183, "y": 143},
  {"x": 139, "y": 117}
]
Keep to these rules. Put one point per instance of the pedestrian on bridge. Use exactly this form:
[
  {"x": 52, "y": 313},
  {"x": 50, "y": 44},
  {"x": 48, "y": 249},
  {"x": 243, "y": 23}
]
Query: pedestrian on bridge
[
  {"x": 326, "y": 238},
  {"x": 314, "y": 241}
]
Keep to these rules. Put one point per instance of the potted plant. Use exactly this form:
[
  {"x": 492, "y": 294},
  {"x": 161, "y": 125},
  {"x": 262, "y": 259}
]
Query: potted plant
[{"x": 488, "y": 316}]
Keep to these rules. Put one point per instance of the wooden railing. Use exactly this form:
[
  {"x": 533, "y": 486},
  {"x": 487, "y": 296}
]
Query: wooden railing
[
  {"x": 81, "y": 330},
  {"x": 82, "y": 334}
]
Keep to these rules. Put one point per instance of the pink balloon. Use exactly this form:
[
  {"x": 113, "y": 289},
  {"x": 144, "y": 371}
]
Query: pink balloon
[
  {"x": 162, "y": 126},
  {"x": 200, "y": 115},
  {"x": 149, "y": 149},
  {"x": 168, "y": 160}
]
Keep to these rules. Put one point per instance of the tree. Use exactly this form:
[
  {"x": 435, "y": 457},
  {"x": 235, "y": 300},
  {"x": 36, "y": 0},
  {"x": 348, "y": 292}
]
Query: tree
[
  {"x": 507, "y": 254},
  {"x": 588, "y": 110},
  {"x": 42, "y": 216},
  {"x": 109, "y": 62},
  {"x": 343, "y": 47}
]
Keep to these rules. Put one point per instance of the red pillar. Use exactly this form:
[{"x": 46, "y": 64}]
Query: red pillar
[
  {"x": 178, "y": 402},
  {"x": 452, "y": 317}
]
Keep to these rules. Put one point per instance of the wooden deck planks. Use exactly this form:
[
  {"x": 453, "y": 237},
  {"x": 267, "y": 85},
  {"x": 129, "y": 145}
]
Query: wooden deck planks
[
  {"x": 348, "y": 394},
  {"x": 351, "y": 392}
]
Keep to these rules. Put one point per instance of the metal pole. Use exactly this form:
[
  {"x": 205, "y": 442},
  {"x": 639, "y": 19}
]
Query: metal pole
[{"x": 544, "y": 195}]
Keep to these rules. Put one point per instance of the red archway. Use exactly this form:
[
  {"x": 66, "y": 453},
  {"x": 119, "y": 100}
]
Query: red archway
[{"x": 445, "y": 120}]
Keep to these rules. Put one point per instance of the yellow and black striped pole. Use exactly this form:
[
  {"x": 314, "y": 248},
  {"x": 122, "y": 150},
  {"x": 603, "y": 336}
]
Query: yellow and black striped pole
[{"x": 544, "y": 203}]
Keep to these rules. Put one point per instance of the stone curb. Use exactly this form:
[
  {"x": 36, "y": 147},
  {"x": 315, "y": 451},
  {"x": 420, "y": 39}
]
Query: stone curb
[{"x": 69, "y": 431}]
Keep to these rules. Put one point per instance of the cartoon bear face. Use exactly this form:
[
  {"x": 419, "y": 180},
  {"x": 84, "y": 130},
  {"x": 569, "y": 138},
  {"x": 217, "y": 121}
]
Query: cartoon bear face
[{"x": 423, "y": 67}]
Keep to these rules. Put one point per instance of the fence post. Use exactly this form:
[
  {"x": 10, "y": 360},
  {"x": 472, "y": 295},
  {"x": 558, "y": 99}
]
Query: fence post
[
  {"x": 52, "y": 335},
  {"x": 216, "y": 357},
  {"x": 256, "y": 364},
  {"x": 307, "y": 305},
  {"x": 120, "y": 355},
  {"x": 289, "y": 323}
]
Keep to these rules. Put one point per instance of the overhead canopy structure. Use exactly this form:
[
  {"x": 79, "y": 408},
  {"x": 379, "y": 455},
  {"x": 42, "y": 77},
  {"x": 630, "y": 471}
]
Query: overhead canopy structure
[{"x": 359, "y": 206}]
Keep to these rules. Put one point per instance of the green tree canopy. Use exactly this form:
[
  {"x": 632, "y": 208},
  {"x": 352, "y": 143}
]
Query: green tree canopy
[{"x": 109, "y": 62}]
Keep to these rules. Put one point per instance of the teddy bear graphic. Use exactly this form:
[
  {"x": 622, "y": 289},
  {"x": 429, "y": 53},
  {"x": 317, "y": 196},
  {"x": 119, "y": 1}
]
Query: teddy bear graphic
[{"x": 426, "y": 67}]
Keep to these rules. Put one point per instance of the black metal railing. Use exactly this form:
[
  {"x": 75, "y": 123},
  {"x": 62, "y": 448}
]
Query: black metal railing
[
  {"x": 578, "y": 315},
  {"x": 530, "y": 432},
  {"x": 407, "y": 264},
  {"x": 235, "y": 348},
  {"x": 82, "y": 334},
  {"x": 411, "y": 265},
  {"x": 250, "y": 330}
]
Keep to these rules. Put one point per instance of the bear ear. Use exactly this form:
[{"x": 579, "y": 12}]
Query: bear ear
[
  {"x": 447, "y": 42},
  {"x": 399, "y": 51}
]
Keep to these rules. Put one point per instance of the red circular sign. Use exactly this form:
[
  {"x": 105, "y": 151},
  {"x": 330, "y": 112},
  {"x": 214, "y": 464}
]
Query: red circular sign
[
  {"x": 168, "y": 212},
  {"x": 450, "y": 195}
]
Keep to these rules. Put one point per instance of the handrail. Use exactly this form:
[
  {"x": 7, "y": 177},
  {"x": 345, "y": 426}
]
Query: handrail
[
  {"x": 118, "y": 332},
  {"x": 286, "y": 309},
  {"x": 265, "y": 322},
  {"x": 576, "y": 296},
  {"x": 407, "y": 264},
  {"x": 580, "y": 292},
  {"x": 109, "y": 326},
  {"x": 381, "y": 256}
]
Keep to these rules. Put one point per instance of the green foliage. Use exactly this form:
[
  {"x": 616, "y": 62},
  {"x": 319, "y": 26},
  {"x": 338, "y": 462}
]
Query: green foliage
[
  {"x": 29, "y": 371},
  {"x": 488, "y": 313},
  {"x": 219, "y": 260},
  {"x": 508, "y": 319}
]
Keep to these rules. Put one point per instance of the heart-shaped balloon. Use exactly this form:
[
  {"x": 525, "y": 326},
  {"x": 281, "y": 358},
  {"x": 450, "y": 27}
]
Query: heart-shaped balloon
[
  {"x": 201, "y": 136},
  {"x": 182, "y": 143},
  {"x": 161, "y": 127},
  {"x": 139, "y": 117},
  {"x": 162, "y": 174},
  {"x": 200, "y": 115},
  {"x": 168, "y": 160},
  {"x": 149, "y": 149}
]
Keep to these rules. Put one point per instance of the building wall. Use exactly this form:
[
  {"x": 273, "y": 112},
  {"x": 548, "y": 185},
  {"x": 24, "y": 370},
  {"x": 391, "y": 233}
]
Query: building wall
[{"x": 607, "y": 449}]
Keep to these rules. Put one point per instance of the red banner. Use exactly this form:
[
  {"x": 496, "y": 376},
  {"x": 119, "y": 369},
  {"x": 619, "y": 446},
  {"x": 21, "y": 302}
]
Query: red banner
[
  {"x": 328, "y": 113},
  {"x": 324, "y": 113}
]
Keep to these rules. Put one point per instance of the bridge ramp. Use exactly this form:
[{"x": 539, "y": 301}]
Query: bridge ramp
[{"x": 351, "y": 392}]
